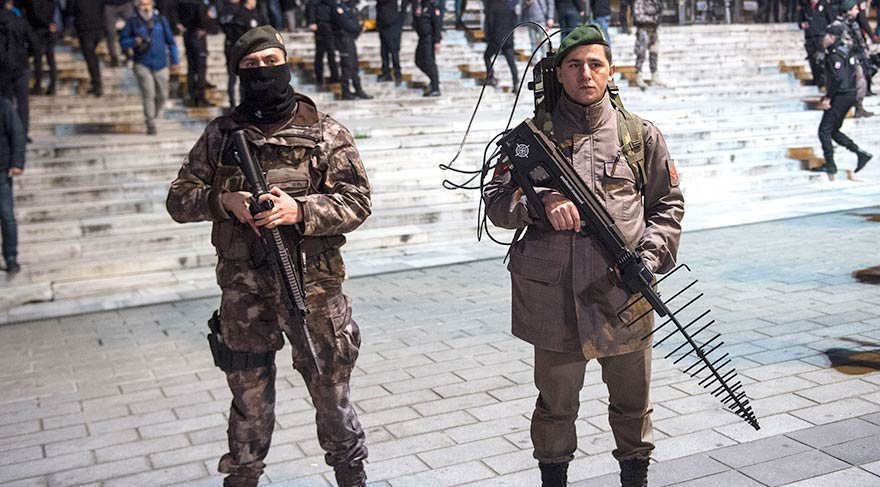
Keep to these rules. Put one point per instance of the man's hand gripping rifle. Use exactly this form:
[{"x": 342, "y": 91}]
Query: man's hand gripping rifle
[
  {"x": 287, "y": 265},
  {"x": 536, "y": 162}
]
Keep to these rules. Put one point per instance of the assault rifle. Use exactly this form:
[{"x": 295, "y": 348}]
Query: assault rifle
[
  {"x": 536, "y": 161},
  {"x": 287, "y": 265}
]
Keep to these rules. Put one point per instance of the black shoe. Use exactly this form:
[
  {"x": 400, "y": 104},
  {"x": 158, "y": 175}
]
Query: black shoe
[
  {"x": 828, "y": 168},
  {"x": 351, "y": 475},
  {"x": 432, "y": 93},
  {"x": 13, "y": 267},
  {"x": 31, "y": 141},
  {"x": 114, "y": 63},
  {"x": 50, "y": 90},
  {"x": 862, "y": 113},
  {"x": 151, "y": 130},
  {"x": 634, "y": 473},
  {"x": 554, "y": 474},
  {"x": 384, "y": 78},
  {"x": 363, "y": 96},
  {"x": 97, "y": 91},
  {"x": 491, "y": 81},
  {"x": 347, "y": 95},
  {"x": 35, "y": 91},
  {"x": 864, "y": 157}
]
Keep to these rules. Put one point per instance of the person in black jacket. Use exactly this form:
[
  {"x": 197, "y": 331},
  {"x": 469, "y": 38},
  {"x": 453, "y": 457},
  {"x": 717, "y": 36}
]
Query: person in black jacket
[
  {"x": 346, "y": 29},
  {"x": 236, "y": 19},
  {"x": 570, "y": 13},
  {"x": 14, "y": 73},
  {"x": 168, "y": 8},
  {"x": 389, "y": 22},
  {"x": 428, "y": 24},
  {"x": 626, "y": 9},
  {"x": 193, "y": 16},
  {"x": 814, "y": 19},
  {"x": 500, "y": 21},
  {"x": 40, "y": 15},
  {"x": 320, "y": 17},
  {"x": 12, "y": 156},
  {"x": 88, "y": 18},
  {"x": 840, "y": 96}
]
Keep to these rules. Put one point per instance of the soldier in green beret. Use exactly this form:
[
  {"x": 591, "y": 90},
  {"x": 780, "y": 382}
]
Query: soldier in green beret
[{"x": 565, "y": 294}]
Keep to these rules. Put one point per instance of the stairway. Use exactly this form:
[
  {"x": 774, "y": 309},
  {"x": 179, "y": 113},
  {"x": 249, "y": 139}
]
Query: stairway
[{"x": 92, "y": 223}]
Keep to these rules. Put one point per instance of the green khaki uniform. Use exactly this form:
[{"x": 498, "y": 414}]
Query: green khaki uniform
[
  {"x": 313, "y": 158},
  {"x": 565, "y": 294}
]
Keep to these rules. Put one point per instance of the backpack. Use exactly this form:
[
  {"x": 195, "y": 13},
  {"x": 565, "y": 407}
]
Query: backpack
[{"x": 631, "y": 135}]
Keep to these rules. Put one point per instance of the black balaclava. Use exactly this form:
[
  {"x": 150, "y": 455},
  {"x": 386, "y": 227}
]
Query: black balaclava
[{"x": 267, "y": 96}]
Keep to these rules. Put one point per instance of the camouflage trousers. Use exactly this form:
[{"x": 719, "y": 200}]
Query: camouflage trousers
[
  {"x": 252, "y": 414},
  {"x": 647, "y": 42}
]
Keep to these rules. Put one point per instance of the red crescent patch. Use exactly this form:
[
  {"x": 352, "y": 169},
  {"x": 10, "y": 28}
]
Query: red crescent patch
[{"x": 673, "y": 173}]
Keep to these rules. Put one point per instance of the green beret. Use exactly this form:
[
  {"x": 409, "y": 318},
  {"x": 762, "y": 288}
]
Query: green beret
[
  {"x": 254, "y": 40},
  {"x": 845, "y": 5},
  {"x": 583, "y": 35}
]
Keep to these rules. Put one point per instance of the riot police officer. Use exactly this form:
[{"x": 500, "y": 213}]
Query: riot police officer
[
  {"x": 815, "y": 17},
  {"x": 235, "y": 20},
  {"x": 320, "y": 17},
  {"x": 389, "y": 21},
  {"x": 346, "y": 29},
  {"x": 428, "y": 24},
  {"x": 193, "y": 16},
  {"x": 841, "y": 66}
]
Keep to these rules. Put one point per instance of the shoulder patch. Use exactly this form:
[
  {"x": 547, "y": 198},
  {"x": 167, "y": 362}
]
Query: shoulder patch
[
  {"x": 339, "y": 10},
  {"x": 837, "y": 65},
  {"x": 673, "y": 173}
]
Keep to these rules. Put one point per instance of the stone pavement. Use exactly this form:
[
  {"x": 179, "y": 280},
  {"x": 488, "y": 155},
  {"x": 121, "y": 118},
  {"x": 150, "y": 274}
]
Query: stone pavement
[{"x": 130, "y": 397}]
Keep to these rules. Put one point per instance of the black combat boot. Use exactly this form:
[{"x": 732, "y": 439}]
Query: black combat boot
[
  {"x": 351, "y": 475},
  {"x": 239, "y": 481},
  {"x": 634, "y": 473},
  {"x": 864, "y": 157},
  {"x": 828, "y": 167},
  {"x": 554, "y": 474}
]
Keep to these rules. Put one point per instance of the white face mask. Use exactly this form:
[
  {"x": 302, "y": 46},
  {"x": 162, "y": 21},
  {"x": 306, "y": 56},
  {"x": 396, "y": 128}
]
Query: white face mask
[{"x": 146, "y": 14}]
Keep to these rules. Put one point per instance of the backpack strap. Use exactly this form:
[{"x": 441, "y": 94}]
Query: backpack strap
[{"x": 631, "y": 136}]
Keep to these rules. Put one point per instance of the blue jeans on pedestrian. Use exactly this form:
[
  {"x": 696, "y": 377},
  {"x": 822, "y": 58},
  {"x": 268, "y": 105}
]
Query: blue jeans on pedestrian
[
  {"x": 8, "y": 228},
  {"x": 273, "y": 12},
  {"x": 602, "y": 22},
  {"x": 569, "y": 20}
]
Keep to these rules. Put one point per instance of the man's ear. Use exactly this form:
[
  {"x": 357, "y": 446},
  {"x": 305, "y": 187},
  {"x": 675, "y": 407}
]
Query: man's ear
[
  {"x": 611, "y": 70},
  {"x": 556, "y": 69}
]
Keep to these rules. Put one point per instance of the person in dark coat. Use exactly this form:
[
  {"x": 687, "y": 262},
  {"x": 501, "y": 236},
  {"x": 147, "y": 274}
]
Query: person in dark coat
[
  {"x": 40, "y": 15},
  {"x": 389, "y": 22},
  {"x": 116, "y": 12},
  {"x": 193, "y": 15},
  {"x": 840, "y": 97},
  {"x": 88, "y": 19},
  {"x": 500, "y": 21},
  {"x": 12, "y": 157},
  {"x": 428, "y": 24},
  {"x": 14, "y": 77},
  {"x": 815, "y": 16},
  {"x": 168, "y": 8},
  {"x": 320, "y": 17},
  {"x": 346, "y": 29},
  {"x": 235, "y": 20}
]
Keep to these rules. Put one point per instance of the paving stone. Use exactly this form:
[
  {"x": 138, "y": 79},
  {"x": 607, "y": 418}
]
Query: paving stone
[
  {"x": 162, "y": 476},
  {"x": 836, "y": 433},
  {"x": 446, "y": 476},
  {"x": 21, "y": 455},
  {"x": 835, "y": 411},
  {"x": 431, "y": 423},
  {"x": 461, "y": 453},
  {"x": 857, "y": 452},
  {"x": 729, "y": 478},
  {"x": 396, "y": 467},
  {"x": 680, "y": 470},
  {"x": 140, "y": 448},
  {"x": 409, "y": 446},
  {"x": 851, "y": 477},
  {"x": 682, "y": 446},
  {"x": 793, "y": 468},
  {"x": 96, "y": 473},
  {"x": 42, "y": 438},
  {"x": 92, "y": 442},
  {"x": 758, "y": 451},
  {"x": 44, "y": 466},
  {"x": 488, "y": 429}
]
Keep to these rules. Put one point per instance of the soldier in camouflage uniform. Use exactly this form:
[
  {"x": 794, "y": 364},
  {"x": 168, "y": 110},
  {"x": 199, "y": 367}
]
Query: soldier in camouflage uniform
[
  {"x": 646, "y": 18},
  {"x": 318, "y": 183}
]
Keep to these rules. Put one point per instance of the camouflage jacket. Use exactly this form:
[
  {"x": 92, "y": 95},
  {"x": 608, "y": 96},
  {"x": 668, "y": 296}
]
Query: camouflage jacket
[
  {"x": 313, "y": 159},
  {"x": 647, "y": 12}
]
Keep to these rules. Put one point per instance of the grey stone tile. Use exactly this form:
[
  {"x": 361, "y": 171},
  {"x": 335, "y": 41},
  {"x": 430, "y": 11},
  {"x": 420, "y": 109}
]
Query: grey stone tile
[
  {"x": 836, "y": 433},
  {"x": 857, "y": 452},
  {"x": 793, "y": 468},
  {"x": 759, "y": 451},
  {"x": 851, "y": 477}
]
